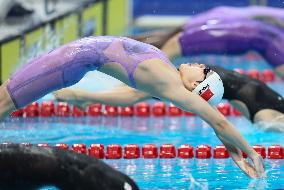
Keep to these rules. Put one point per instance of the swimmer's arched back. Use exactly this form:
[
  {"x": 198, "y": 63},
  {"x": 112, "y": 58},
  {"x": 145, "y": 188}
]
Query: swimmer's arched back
[{"x": 69, "y": 63}]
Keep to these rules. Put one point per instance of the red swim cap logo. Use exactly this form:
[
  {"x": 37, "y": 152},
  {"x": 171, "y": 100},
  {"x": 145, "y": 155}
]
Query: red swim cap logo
[{"x": 207, "y": 94}]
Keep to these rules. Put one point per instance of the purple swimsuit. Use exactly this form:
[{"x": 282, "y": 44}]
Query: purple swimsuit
[
  {"x": 68, "y": 64},
  {"x": 227, "y": 30},
  {"x": 226, "y": 13}
]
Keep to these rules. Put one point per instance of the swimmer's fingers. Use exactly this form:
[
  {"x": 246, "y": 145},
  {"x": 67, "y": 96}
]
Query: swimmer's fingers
[
  {"x": 70, "y": 96},
  {"x": 244, "y": 165},
  {"x": 247, "y": 168},
  {"x": 259, "y": 165}
]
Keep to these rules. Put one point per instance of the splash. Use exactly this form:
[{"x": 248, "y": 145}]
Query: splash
[{"x": 195, "y": 184}]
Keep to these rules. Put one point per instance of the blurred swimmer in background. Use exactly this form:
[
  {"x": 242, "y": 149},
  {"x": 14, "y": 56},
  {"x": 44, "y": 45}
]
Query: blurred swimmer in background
[{"x": 226, "y": 30}]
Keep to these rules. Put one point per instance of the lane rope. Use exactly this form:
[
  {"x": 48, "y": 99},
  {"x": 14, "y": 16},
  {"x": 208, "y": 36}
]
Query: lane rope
[{"x": 164, "y": 151}]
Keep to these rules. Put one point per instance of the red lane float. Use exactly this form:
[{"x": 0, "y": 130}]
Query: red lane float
[
  {"x": 159, "y": 109},
  {"x": 127, "y": 111},
  {"x": 174, "y": 111},
  {"x": 150, "y": 151},
  {"x": 220, "y": 151},
  {"x": 79, "y": 148},
  {"x": 131, "y": 151},
  {"x": 275, "y": 152},
  {"x": 97, "y": 151},
  {"x": 114, "y": 151},
  {"x": 268, "y": 75},
  {"x": 143, "y": 109},
  {"x": 77, "y": 112},
  {"x": 111, "y": 110},
  {"x": 62, "y": 146},
  {"x": 203, "y": 151},
  {"x": 94, "y": 110},
  {"x": 224, "y": 108},
  {"x": 254, "y": 74},
  {"x": 185, "y": 151},
  {"x": 62, "y": 110},
  {"x": 18, "y": 113},
  {"x": 167, "y": 151},
  {"x": 259, "y": 149},
  {"x": 47, "y": 109},
  {"x": 31, "y": 110}
]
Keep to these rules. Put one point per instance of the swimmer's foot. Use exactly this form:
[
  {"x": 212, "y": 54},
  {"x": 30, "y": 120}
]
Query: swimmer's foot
[
  {"x": 72, "y": 97},
  {"x": 6, "y": 103}
]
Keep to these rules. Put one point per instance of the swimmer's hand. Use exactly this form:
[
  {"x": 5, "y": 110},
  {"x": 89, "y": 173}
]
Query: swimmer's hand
[
  {"x": 71, "y": 96},
  {"x": 259, "y": 165},
  {"x": 255, "y": 171}
]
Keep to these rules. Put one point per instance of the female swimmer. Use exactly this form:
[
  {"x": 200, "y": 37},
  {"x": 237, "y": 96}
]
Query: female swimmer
[
  {"x": 227, "y": 30},
  {"x": 139, "y": 65},
  {"x": 253, "y": 98}
]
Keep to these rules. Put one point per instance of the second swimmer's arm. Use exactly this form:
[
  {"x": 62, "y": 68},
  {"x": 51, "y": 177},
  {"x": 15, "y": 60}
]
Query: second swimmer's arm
[
  {"x": 223, "y": 128},
  {"x": 172, "y": 47}
]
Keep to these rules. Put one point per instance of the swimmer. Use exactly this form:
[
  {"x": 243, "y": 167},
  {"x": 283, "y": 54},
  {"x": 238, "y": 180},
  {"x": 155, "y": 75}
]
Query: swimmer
[
  {"x": 32, "y": 167},
  {"x": 227, "y": 30},
  {"x": 139, "y": 65},
  {"x": 253, "y": 98}
]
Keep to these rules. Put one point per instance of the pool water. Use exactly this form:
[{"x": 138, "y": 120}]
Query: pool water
[{"x": 159, "y": 173}]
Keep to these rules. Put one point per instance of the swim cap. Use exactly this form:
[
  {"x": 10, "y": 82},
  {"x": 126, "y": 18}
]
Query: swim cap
[{"x": 211, "y": 89}]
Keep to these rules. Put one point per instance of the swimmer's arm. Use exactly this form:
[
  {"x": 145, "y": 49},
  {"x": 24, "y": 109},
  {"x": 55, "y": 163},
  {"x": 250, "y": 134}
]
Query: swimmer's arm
[
  {"x": 172, "y": 47},
  {"x": 119, "y": 96},
  {"x": 157, "y": 38},
  {"x": 223, "y": 128}
]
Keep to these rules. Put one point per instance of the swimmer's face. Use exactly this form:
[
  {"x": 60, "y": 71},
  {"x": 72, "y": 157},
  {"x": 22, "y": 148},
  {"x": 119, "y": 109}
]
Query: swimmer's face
[{"x": 191, "y": 74}]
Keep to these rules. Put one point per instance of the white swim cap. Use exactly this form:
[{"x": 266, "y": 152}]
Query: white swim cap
[{"x": 211, "y": 89}]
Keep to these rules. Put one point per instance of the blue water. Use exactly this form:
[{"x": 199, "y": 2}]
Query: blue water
[{"x": 159, "y": 173}]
